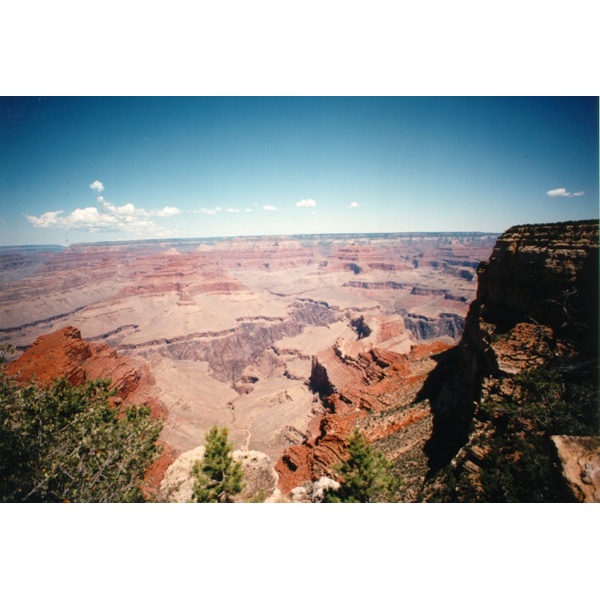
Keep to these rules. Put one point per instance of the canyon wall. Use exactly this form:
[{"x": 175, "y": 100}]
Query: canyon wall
[
  {"x": 64, "y": 354},
  {"x": 293, "y": 343},
  {"x": 526, "y": 369},
  {"x": 536, "y": 304}
]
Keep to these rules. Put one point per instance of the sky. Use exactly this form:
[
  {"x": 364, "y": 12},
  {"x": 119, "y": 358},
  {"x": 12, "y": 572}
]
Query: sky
[{"x": 87, "y": 169}]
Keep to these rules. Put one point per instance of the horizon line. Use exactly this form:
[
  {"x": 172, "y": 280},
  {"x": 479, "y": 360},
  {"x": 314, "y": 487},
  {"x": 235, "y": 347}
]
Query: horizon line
[
  {"x": 251, "y": 236},
  {"x": 305, "y": 235}
]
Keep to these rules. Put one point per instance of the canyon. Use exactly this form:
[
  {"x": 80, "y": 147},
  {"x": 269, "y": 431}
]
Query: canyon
[
  {"x": 292, "y": 342},
  {"x": 228, "y": 330}
]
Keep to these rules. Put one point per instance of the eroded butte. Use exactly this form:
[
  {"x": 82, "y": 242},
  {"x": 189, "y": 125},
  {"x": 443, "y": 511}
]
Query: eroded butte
[{"x": 235, "y": 330}]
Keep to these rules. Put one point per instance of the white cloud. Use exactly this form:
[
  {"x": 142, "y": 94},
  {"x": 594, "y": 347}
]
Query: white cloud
[
  {"x": 562, "y": 193},
  {"x": 90, "y": 216},
  {"x": 557, "y": 192},
  {"x": 205, "y": 211},
  {"x": 126, "y": 209},
  {"x": 47, "y": 219},
  {"x": 232, "y": 210},
  {"x": 167, "y": 211},
  {"x": 248, "y": 210},
  {"x": 269, "y": 207},
  {"x": 81, "y": 218},
  {"x": 353, "y": 205},
  {"x": 130, "y": 210},
  {"x": 309, "y": 202},
  {"x": 97, "y": 186},
  {"x": 107, "y": 217}
]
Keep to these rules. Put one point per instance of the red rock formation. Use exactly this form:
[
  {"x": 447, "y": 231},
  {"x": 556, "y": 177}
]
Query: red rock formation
[
  {"x": 580, "y": 461},
  {"x": 64, "y": 353},
  {"x": 355, "y": 387},
  {"x": 157, "y": 470},
  {"x": 96, "y": 283},
  {"x": 537, "y": 305},
  {"x": 359, "y": 258}
]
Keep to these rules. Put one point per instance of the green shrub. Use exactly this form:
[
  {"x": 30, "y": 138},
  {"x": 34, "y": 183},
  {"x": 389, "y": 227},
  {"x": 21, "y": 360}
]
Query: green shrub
[
  {"x": 67, "y": 443},
  {"x": 365, "y": 476}
]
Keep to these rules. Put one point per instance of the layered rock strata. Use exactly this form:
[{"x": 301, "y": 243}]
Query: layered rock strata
[
  {"x": 230, "y": 326},
  {"x": 531, "y": 335},
  {"x": 537, "y": 302},
  {"x": 64, "y": 353},
  {"x": 372, "y": 389}
]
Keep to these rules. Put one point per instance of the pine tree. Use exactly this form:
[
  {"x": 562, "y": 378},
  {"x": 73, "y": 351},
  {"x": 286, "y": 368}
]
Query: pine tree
[
  {"x": 218, "y": 477},
  {"x": 365, "y": 475}
]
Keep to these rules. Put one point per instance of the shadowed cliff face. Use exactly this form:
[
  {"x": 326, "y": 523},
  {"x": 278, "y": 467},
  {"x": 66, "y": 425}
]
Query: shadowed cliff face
[
  {"x": 532, "y": 328},
  {"x": 372, "y": 390},
  {"x": 446, "y": 324},
  {"x": 545, "y": 274},
  {"x": 537, "y": 299}
]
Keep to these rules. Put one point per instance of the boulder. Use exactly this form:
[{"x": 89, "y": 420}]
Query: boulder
[
  {"x": 259, "y": 476},
  {"x": 580, "y": 461},
  {"x": 313, "y": 491}
]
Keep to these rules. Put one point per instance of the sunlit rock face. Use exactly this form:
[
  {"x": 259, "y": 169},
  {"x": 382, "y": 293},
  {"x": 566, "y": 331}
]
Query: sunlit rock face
[
  {"x": 547, "y": 274},
  {"x": 580, "y": 465},
  {"x": 64, "y": 354}
]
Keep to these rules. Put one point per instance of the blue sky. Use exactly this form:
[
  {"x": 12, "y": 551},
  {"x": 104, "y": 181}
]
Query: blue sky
[{"x": 110, "y": 168}]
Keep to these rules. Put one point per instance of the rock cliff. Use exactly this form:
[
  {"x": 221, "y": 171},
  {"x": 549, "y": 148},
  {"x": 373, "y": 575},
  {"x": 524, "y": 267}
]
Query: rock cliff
[
  {"x": 64, "y": 353},
  {"x": 372, "y": 389},
  {"x": 526, "y": 369},
  {"x": 426, "y": 328}
]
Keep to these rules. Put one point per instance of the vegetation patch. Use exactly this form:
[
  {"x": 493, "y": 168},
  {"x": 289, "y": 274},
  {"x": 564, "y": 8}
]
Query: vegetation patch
[{"x": 67, "y": 443}]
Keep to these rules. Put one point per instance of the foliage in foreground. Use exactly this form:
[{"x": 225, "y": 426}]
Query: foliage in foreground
[
  {"x": 67, "y": 443},
  {"x": 218, "y": 476},
  {"x": 365, "y": 476},
  {"x": 521, "y": 464},
  {"x": 519, "y": 461}
]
